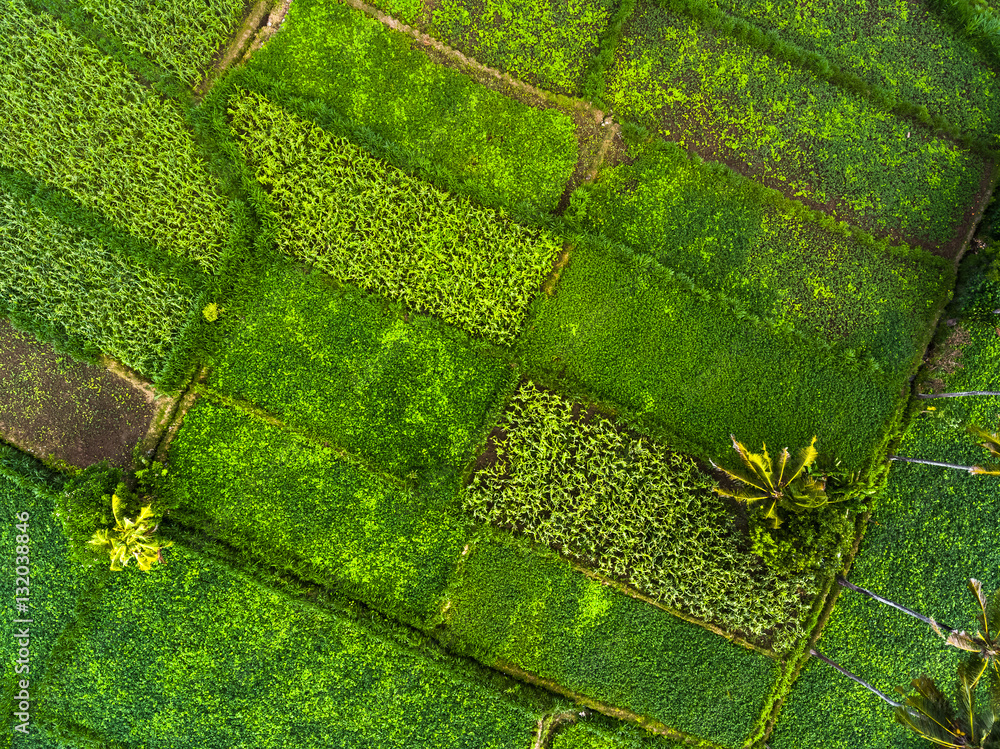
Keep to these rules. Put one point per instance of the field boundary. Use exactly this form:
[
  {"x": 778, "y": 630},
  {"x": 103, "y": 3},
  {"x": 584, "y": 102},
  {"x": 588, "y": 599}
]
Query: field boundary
[{"x": 251, "y": 26}]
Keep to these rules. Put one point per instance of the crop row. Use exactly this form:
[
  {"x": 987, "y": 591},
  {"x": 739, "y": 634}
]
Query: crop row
[
  {"x": 368, "y": 223},
  {"x": 180, "y": 36},
  {"x": 354, "y": 76},
  {"x": 60, "y": 279},
  {"x": 514, "y": 605},
  {"x": 771, "y": 256},
  {"x": 790, "y": 129},
  {"x": 636, "y": 512},
  {"x": 408, "y": 393},
  {"x": 78, "y": 120}
]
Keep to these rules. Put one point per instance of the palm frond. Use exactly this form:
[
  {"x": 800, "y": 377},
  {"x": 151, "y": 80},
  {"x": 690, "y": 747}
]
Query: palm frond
[
  {"x": 805, "y": 458},
  {"x": 989, "y": 440}
]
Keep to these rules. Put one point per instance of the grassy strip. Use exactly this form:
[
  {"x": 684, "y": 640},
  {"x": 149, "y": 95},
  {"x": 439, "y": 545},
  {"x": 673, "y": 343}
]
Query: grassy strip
[
  {"x": 594, "y": 86},
  {"x": 637, "y": 512},
  {"x": 305, "y": 508},
  {"x": 547, "y": 43},
  {"x": 904, "y": 61},
  {"x": 789, "y": 129},
  {"x": 407, "y": 392},
  {"x": 181, "y": 38},
  {"x": 512, "y": 604},
  {"x": 601, "y": 733},
  {"x": 80, "y": 122},
  {"x": 89, "y": 292},
  {"x": 55, "y": 584},
  {"x": 924, "y": 542},
  {"x": 215, "y": 660},
  {"x": 356, "y": 78},
  {"x": 365, "y": 222},
  {"x": 702, "y": 372},
  {"x": 773, "y": 257}
]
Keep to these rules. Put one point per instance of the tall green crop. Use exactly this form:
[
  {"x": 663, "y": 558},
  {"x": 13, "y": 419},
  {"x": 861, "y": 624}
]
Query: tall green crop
[{"x": 368, "y": 223}]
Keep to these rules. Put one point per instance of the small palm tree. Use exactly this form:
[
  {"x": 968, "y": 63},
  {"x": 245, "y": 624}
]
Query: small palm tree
[
  {"x": 777, "y": 484},
  {"x": 130, "y": 539}
]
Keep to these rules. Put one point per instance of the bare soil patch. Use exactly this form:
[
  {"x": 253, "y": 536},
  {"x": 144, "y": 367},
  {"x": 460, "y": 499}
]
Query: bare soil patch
[{"x": 66, "y": 412}]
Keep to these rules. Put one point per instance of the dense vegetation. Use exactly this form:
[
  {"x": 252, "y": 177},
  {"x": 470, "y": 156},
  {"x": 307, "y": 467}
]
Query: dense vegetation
[
  {"x": 513, "y": 605},
  {"x": 302, "y": 506},
  {"x": 784, "y": 126},
  {"x": 181, "y": 37},
  {"x": 73, "y": 288},
  {"x": 923, "y": 544},
  {"x": 78, "y": 120},
  {"x": 767, "y": 255},
  {"x": 353, "y": 76},
  {"x": 368, "y": 223},
  {"x": 702, "y": 373},
  {"x": 405, "y": 391},
  {"x": 638, "y": 513},
  {"x": 216, "y": 660}
]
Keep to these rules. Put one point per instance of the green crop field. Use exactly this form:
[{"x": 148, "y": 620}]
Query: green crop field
[
  {"x": 782, "y": 125},
  {"x": 473, "y": 374}
]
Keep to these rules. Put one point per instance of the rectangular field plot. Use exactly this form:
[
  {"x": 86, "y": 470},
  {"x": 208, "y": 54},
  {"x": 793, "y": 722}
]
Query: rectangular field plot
[
  {"x": 368, "y": 223},
  {"x": 405, "y": 392},
  {"x": 351, "y": 74},
  {"x": 79, "y": 121},
  {"x": 301, "y": 506},
  {"x": 618, "y": 503},
  {"x": 905, "y": 47},
  {"x": 690, "y": 373},
  {"x": 789, "y": 129},
  {"x": 216, "y": 661},
  {"x": 767, "y": 254},
  {"x": 84, "y": 290},
  {"x": 515, "y": 606},
  {"x": 926, "y": 540},
  {"x": 547, "y": 43}
]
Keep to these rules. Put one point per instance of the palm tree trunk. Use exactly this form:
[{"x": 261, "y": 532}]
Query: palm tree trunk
[
  {"x": 926, "y": 620},
  {"x": 933, "y": 463},
  {"x": 854, "y": 678},
  {"x": 956, "y": 395}
]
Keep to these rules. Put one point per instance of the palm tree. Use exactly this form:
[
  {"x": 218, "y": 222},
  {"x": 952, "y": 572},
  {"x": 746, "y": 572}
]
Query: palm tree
[
  {"x": 777, "y": 484},
  {"x": 985, "y": 643},
  {"x": 931, "y": 716}
]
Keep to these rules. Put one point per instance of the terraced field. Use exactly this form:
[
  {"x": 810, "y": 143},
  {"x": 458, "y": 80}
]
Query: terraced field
[{"x": 384, "y": 375}]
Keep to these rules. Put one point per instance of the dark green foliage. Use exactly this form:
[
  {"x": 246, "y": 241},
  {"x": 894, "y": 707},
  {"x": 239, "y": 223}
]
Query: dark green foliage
[
  {"x": 197, "y": 657},
  {"x": 354, "y": 77},
  {"x": 547, "y": 43},
  {"x": 636, "y": 512},
  {"x": 84, "y": 506},
  {"x": 302, "y": 507},
  {"x": 365, "y": 222},
  {"x": 701, "y": 373},
  {"x": 770, "y": 256},
  {"x": 407, "y": 392},
  {"x": 978, "y": 19},
  {"x": 87, "y": 292},
  {"x": 926, "y": 540},
  {"x": 182, "y": 38},
  {"x": 781, "y": 125},
  {"x": 900, "y": 57},
  {"x": 600, "y": 732},
  {"x": 55, "y": 583},
  {"x": 513, "y": 605},
  {"x": 78, "y": 120}
]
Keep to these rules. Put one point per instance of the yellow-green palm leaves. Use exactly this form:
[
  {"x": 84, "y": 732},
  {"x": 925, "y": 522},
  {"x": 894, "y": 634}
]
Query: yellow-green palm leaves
[
  {"x": 991, "y": 441},
  {"x": 780, "y": 483},
  {"x": 931, "y": 715},
  {"x": 130, "y": 539}
]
